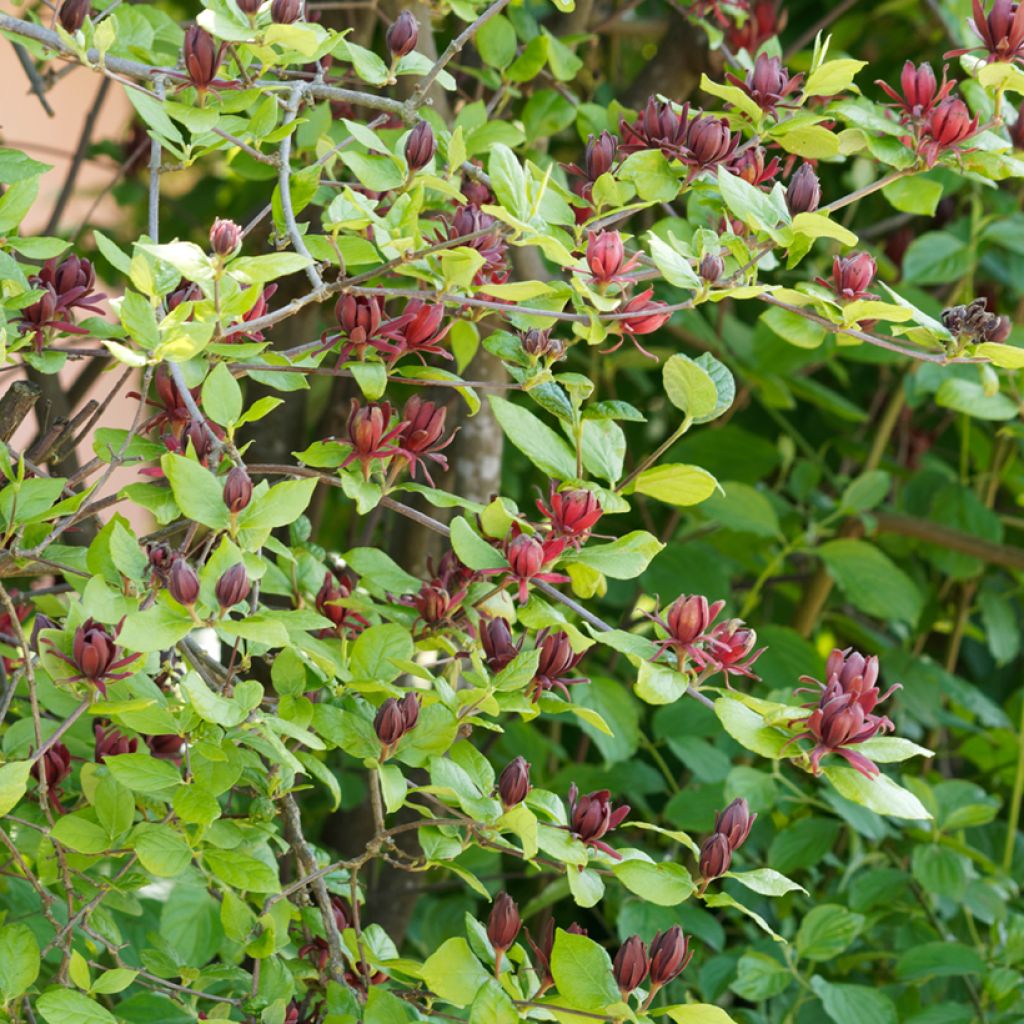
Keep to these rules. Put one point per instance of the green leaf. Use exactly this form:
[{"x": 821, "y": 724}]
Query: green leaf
[
  {"x": 892, "y": 748},
  {"x": 698, "y": 1013},
  {"x": 914, "y": 194},
  {"x": 938, "y": 960},
  {"x": 241, "y": 871},
  {"x": 749, "y": 204},
  {"x": 78, "y": 833},
  {"x": 496, "y": 42},
  {"x": 221, "y": 396},
  {"x": 744, "y": 509},
  {"x": 676, "y": 484},
  {"x": 162, "y": 850},
  {"x": 19, "y": 960},
  {"x": 657, "y": 683},
  {"x": 865, "y": 492},
  {"x": 13, "y": 783},
  {"x": 453, "y": 973},
  {"x": 793, "y": 328},
  {"x": 971, "y": 398},
  {"x": 834, "y": 76},
  {"x": 535, "y": 439},
  {"x": 676, "y": 270},
  {"x": 689, "y": 386},
  {"x": 66, "y": 1006},
  {"x": 583, "y": 972},
  {"x": 261, "y": 269},
  {"x": 622, "y": 559},
  {"x": 854, "y": 1004},
  {"x": 281, "y": 505},
  {"x": 871, "y": 580},
  {"x": 935, "y": 258},
  {"x": 879, "y": 794},
  {"x": 1009, "y": 357},
  {"x": 651, "y": 175},
  {"x": 664, "y": 884},
  {"x": 826, "y": 931},
  {"x": 766, "y": 881},
  {"x": 143, "y": 773},
  {"x": 380, "y": 651},
  {"x": 747, "y": 727},
  {"x": 196, "y": 490},
  {"x": 818, "y": 225},
  {"x": 472, "y": 549}
]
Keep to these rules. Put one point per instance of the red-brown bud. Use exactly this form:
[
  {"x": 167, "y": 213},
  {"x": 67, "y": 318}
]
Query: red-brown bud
[
  {"x": 249, "y": 7},
  {"x": 202, "y": 57},
  {"x": 403, "y": 34},
  {"x": 496, "y": 638},
  {"x": 715, "y": 856},
  {"x": 735, "y": 823},
  {"x": 630, "y": 965},
  {"x": 514, "y": 782},
  {"x": 710, "y": 141},
  {"x": 669, "y": 954},
  {"x": 599, "y": 155},
  {"x": 110, "y": 742},
  {"x": 237, "y": 489},
  {"x": 166, "y": 747},
  {"x": 420, "y": 146},
  {"x": 233, "y": 586},
  {"x": 358, "y": 316},
  {"x": 72, "y": 14},
  {"x": 605, "y": 255},
  {"x": 93, "y": 650},
  {"x": 803, "y": 193},
  {"x": 183, "y": 583},
  {"x": 284, "y": 12},
  {"x": 225, "y": 237},
  {"x": 688, "y": 617},
  {"x": 852, "y": 275},
  {"x": 504, "y": 923},
  {"x": 432, "y": 603},
  {"x": 525, "y": 556},
  {"x": 394, "y": 719},
  {"x": 711, "y": 267}
]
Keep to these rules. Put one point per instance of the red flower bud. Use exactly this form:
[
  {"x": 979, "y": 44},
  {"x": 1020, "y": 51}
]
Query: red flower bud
[
  {"x": 72, "y": 14},
  {"x": 514, "y": 781},
  {"x": 504, "y": 923},
  {"x": 852, "y": 275},
  {"x": 605, "y": 255},
  {"x": 999, "y": 330},
  {"x": 233, "y": 586},
  {"x": 709, "y": 141},
  {"x": 420, "y": 146},
  {"x": 592, "y": 816},
  {"x": 803, "y": 193},
  {"x": 711, "y": 267},
  {"x": 284, "y": 12},
  {"x": 202, "y": 57},
  {"x": 342, "y": 912},
  {"x": 572, "y": 512},
  {"x": 394, "y": 719},
  {"x": 166, "y": 747},
  {"x": 599, "y": 155},
  {"x": 645, "y": 315},
  {"x": 669, "y": 953},
  {"x": 950, "y": 123},
  {"x": 358, "y": 316},
  {"x": 237, "y": 489},
  {"x": 183, "y": 583},
  {"x": 402, "y": 34},
  {"x": 715, "y": 856},
  {"x": 687, "y": 618},
  {"x": 631, "y": 965},
  {"x": 249, "y": 7},
  {"x": 225, "y": 237},
  {"x": 432, "y": 603},
  {"x": 93, "y": 650},
  {"x": 525, "y": 556}
]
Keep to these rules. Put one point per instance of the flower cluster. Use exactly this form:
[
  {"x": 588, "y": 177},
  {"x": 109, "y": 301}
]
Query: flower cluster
[
  {"x": 666, "y": 959},
  {"x": 726, "y": 647},
  {"x": 843, "y": 715},
  {"x": 732, "y": 826},
  {"x": 973, "y": 323},
  {"x": 394, "y": 718},
  {"x": 66, "y": 285},
  {"x": 418, "y": 330},
  {"x": 768, "y": 83}
]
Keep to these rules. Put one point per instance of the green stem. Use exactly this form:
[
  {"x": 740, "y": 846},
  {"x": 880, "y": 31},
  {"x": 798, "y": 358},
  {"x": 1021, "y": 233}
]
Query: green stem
[{"x": 1018, "y": 795}]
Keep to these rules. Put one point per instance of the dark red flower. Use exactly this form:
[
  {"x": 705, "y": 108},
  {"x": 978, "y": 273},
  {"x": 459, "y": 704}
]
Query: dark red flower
[
  {"x": 598, "y": 158},
  {"x": 686, "y": 621},
  {"x": 630, "y": 965},
  {"x": 394, "y": 719},
  {"x": 1001, "y": 30},
  {"x": 919, "y": 90},
  {"x": 420, "y": 146},
  {"x": 852, "y": 276},
  {"x": 402, "y": 34},
  {"x": 669, "y": 955},
  {"x": 557, "y": 660},
  {"x": 1017, "y": 129},
  {"x": 709, "y": 142},
  {"x": 233, "y": 586},
  {"x": 202, "y": 57},
  {"x": 482, "y": 232},
  {"x": 803, "y": 193},
  {"x": 496, "y": 637},
  {"x": 592, "y": 816},
  {"x": 730, "y": 647},
  {"x": 420, "y": 329},
  {"x": 659, "y": 126},
  {"x": 433, "y": 603},
  {"x": 644, "y": 316},
  {"x": 329, "y": 603},
  {"x": 342, "y": 912},
  {"x": 54, "y": 765},
  {"x": 606, "y": 257},
  {"x": 527, "y": 557},
  {"x": 573, "y": 513},
  {"x": 94, "y": 654},
  {"x": 166, "y": 747},
  {"x": 110, "y": 742},
  {"x": 949, "y": 124},
  {"x": 422, "y": 431},
  {"x": 369, "y": 434},
  {"x": 767, "y": 83},
  {"x": 749, "y": 164},
  {"x": 514, "y": 782},
  {"x": 538, "y": 344},
  {"x": 762, "y": 22}
]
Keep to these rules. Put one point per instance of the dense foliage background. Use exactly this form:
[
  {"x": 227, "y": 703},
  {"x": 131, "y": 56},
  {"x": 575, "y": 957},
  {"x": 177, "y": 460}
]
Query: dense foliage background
[{"x": 397, "y": 598}]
